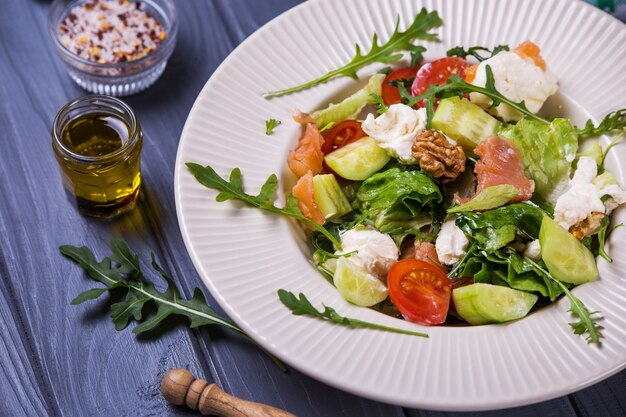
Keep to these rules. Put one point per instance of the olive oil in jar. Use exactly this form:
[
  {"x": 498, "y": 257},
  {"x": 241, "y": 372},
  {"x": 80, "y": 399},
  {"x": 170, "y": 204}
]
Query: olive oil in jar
[
  {"x": 97, "y": 141},
  {"x": 96, "y": 134}
]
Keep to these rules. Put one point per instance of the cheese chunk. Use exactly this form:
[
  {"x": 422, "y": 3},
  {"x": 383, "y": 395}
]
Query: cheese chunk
[
  {"x": 376, "y": 252},
  {"x": 516, "y": 78},
  {"x": 396, "y": 129}
]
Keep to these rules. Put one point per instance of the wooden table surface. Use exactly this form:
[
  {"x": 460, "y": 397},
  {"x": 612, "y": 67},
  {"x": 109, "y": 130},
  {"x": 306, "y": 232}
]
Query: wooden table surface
[{"x": 63, "y": 360}]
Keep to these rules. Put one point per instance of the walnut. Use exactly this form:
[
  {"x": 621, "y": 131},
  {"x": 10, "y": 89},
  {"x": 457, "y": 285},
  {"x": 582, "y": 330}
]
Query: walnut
[
  {"x": 437, "y": 156},
  {"x": 588, "y": 226}
]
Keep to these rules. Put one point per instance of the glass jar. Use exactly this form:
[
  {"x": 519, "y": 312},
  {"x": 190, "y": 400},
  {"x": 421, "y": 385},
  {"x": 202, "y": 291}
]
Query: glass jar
[
  {"x": 116, "y": 78},
  {"x": 97, "y": 142}
]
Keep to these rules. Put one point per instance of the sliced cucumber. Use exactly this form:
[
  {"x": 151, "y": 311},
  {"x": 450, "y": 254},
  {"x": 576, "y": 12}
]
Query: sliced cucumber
[
  {"x": 567, "y": 259},
  {"x": 357, "y": 160},
  {"x": 357, "y": 285},
  {"x": 464, "y": 122},
  {"x": 485, "y": 303},
  {"x": 330, "y": 200},
  {"x": 464, "y": 306}
]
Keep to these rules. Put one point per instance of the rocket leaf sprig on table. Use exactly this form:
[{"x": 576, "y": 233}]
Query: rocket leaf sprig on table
[
  {"x": 122, "y": 270},
  {"x": 387, "y": 53}
]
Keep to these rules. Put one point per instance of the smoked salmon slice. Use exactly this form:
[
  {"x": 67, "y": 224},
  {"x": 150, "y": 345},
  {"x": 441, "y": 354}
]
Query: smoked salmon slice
[
  {"x": 303, "y": 192},
  {"x": 425, "y": 251},
  {"x": 308, "y": 156},
  {"x": 530, "y": 50},
  {"x": 501, "y": 163}
]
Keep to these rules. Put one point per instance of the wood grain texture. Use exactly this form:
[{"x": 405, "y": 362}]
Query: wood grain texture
[{"x": 62, "y": 360}]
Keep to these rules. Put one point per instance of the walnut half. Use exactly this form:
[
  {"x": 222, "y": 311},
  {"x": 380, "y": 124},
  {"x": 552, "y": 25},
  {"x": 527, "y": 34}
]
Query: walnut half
[
  {"x": 436, "y": 155},
  {"x": 588, "y": 226}
]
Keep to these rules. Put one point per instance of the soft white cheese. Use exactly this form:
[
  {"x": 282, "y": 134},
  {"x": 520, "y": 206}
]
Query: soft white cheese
[
  {"x": 395, "y": 130},
  {"x": 376, "y": 252},
  {"x": 584, "y": 196},
  {"x": 586, "y": 171},
  {"x": 533, "y": 250},
  {"x": 451, "y": 244},
  {"x": 517, "y": 79},
  {"x": 617, "y": 197}
]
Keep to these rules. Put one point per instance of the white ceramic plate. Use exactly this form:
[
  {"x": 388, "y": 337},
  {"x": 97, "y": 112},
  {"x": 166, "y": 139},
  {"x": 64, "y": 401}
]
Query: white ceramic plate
[{"x": 244, "y": 256}]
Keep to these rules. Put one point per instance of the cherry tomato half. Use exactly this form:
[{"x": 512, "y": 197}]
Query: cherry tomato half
[
  {"x": 420, "y": 290},
  {"x": 390, "y": 93},
  {"x": 437, "y": 72},
  {"x": 341, "y": 134}
]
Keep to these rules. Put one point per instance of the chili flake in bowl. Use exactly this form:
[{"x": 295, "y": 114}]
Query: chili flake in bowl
[{"x": 115, "y": 47}]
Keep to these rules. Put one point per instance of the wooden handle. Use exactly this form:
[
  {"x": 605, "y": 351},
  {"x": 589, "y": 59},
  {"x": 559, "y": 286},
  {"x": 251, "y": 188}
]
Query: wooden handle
[{"x": 180, "y": 387}]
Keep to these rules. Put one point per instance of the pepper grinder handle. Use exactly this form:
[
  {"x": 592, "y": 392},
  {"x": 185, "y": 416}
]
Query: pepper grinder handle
[{"x": 179, "y": 387}]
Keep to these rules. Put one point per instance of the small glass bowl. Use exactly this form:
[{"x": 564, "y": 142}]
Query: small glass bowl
[{"x": 121, "y": 78}]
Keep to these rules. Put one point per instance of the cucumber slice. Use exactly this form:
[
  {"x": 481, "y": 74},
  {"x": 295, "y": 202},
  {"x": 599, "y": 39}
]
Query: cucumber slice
[
  {"x": 464, "y": 122},
  {"x": 357, "y": 285},
  {"x": 330, "y": 200},
  {"x": 567, "y": 259},
  {"x": 357, "y": 160},
  {"x": 464, "y": 306},
  {"x": 486, "y": 303}
]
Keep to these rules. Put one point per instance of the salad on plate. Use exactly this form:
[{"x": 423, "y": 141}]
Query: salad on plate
[{"x": 440, "y": 193}]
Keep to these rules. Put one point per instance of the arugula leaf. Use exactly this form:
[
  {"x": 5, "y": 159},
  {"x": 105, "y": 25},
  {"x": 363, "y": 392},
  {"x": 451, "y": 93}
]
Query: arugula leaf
[
  {"x": 301, "y": 306},
  {"x": 587, "y": 321},
  {"x": 233, "y": 190},
  {"x": 614, "y": 122},
  {"x": 270, "y": 125},
  {"x": 387, "y": 53},
  {"x": 122, "y": 270},
  {"x": 604, "y": 224},
  {"x": 381, "y": 107},
  {"x": 479, "y": 52},
  {"x": 457, "y": 86},
  {"x": 416, "y": 55}
]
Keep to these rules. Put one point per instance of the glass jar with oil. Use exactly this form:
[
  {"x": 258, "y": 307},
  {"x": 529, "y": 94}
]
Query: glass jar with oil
[{"x": 97, "y": 142}]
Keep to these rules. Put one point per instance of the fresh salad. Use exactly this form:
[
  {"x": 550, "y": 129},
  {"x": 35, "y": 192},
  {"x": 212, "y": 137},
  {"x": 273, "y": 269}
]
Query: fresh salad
[{"x": 439, "y": 193}]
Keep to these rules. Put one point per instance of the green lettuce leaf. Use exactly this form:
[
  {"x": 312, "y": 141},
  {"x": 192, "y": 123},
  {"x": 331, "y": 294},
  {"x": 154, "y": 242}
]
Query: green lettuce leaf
[
  {"x": 488, "y": 198},
  {"x": 393, "y": 187},
  {"x": 350, "y": 107},
  {"x": 493, "y": 229},
  {"x": 547, "y": 152},
  {"x": 394, "y": 200}
]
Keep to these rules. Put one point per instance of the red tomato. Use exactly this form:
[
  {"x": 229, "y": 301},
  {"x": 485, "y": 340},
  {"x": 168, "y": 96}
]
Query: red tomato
[
  {"x": 341, "y": 134},
  {"x": 437, "y": 72},
  {"x": 390, "y": 93},
  {"x": 420, "y": 290}
]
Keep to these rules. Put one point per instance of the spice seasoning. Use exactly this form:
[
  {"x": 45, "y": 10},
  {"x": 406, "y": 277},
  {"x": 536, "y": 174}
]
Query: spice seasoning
[{"x": 111, "y": 31}]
